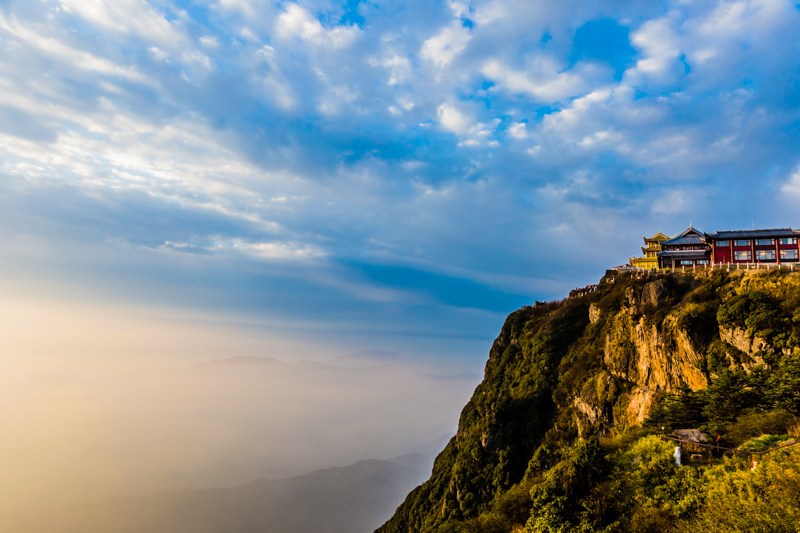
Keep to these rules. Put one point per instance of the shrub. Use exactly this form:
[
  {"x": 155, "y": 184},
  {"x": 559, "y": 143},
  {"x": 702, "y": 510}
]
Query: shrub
[
  {"x": 737, "y": 499},
  {"x": 557, "y": 499},
  {"x": 752, "y": 425}
]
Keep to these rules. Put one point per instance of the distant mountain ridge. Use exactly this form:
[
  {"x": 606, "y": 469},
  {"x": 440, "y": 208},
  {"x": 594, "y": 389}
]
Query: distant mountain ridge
[
  {"x": 349, "y": 499},
  {"x": 373, "y": 354}
]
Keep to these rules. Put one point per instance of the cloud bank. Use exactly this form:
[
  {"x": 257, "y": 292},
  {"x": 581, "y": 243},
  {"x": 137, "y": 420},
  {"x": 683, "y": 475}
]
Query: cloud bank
[{"x": 102, "y": 402}]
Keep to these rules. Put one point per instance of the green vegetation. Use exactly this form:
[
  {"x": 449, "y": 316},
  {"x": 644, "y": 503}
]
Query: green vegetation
[
  {"x": 737, "y": 499},
  {"x": 565, "y": 431}
]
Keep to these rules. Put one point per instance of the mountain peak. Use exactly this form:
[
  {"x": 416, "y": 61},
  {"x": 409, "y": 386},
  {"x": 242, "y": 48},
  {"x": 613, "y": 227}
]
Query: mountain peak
[{"x": 580, "y": 395}]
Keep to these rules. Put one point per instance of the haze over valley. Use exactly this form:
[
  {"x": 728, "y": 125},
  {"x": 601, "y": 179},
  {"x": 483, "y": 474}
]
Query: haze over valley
[{"x": 112, "y": 404}]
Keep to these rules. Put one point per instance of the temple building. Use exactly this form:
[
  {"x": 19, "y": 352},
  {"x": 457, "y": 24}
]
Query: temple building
[
  {"x": 694, "y": 248},
  {"x": 652, "y": 245},
  {"x": 754, "y": 246},
  {"x": 688, "y": 249}
]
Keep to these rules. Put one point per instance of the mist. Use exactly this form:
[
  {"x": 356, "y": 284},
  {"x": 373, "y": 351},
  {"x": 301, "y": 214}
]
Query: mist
[{"x": 103, "y": 401}]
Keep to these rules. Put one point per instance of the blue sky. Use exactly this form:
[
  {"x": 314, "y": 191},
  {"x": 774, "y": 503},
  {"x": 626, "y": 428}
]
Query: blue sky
[{"x": 381, "y": 174}]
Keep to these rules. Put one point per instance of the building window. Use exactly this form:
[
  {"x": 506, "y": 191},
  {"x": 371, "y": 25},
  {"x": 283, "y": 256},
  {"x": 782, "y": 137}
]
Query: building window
[
  {"x": 744, "y": 242},
  {"x": 765, "y": 255},
  {"x": 702, "y": 261},
  {"x": 687, "y": 262},
  {"x": 788, "y": 255},
  {"x": 719, "y": 244},
  {"x": 789, "y": 240},
  {"x": 741, "y": 256},
  {"x": 765, "y": 242}
]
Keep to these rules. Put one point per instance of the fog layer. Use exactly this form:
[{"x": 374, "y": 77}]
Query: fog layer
[{"x": 100, "y": 402}]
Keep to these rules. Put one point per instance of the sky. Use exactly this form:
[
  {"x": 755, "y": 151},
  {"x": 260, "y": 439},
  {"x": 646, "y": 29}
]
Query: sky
[
  {"x": 398, "y": 175},
  {"x": 186, "y": 181}
]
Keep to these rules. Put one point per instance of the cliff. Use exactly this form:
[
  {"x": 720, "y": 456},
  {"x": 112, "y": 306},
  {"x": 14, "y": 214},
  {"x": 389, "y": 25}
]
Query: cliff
[{"x": 588, "y": 380}]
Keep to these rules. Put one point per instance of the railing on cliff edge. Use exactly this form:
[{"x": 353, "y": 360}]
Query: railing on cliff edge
[
  {"x": 724, "y": 449},
  {"x": 641, "y": 273},
  {"x": 729, "y": 267}
]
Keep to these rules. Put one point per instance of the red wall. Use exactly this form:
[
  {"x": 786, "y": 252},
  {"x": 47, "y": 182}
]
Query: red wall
[{"x": 722, "y": 254}]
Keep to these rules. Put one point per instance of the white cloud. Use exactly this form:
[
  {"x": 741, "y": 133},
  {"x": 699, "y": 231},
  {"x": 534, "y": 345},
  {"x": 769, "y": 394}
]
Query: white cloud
[
  {"x": 209, "y": 41},
  {"x": 269, "y": 250},
  {"x": 398, "y": 67},
  {"x": 297, "y": 22},
  {"x": 272, "y": 81},
  {"x": 459, "y": 8},
  {"x": 158, "y": 53},
  {"x": 248, "y": 35},
  {"x": 337, "y": 99},
  {"x": 254, "y": 13},
  {"x": 791, "y": 186},
  {"x": 445, "y": 46},
  {"x": 127, "y": 17},
  {"x": 518, "y": 130},
  {"x": 743, "y": 19},
  {"x": 198, "y": 61},
  {"x": 676, "y": 202},
  {"x": 112, "y": 152},
  {"x": 544, "y": 79},
  {"x": 661, "y": 48},
  {"x": 492, "y": 12},
  {"x": 58, "y": 50},
  {"x": 452, "y": 119},
  {"x": 600, "y": 139},
  {"x": 244, "y": 6},
  {"x": 730, "y": 19},
  {"x": 460, "y": 122},
  {"x": 740, "y": 28},
  {"x": 575, "y": 120}
]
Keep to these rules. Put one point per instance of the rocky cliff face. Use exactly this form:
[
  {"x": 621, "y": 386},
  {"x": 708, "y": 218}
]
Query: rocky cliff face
[
  {"x": 594, "y": 364},
  {"x": 648, "y": 357}
]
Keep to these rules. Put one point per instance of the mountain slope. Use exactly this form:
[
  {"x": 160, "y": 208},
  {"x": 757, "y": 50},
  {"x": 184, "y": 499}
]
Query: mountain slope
[
  {"x": 349, "y": 499},
  {"x": 568, "y": 389}
]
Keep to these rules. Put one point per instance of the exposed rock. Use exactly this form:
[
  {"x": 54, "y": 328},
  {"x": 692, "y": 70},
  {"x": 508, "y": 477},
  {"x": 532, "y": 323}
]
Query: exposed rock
[
  {"x": 692, "y": 435},
  {"x": 632, "y": 301},
  {"x": 637, "y": 406},
  {"x": 653, "y": 358},
  {"x": 592, "y": 413},
  {"x": 752, "y": 348},
  {"x": 740, "y": 339},
  {"x": 594, "y": 313},
  {"x": 591, "y": 416},
  {"x": 653, "y": 293}
]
